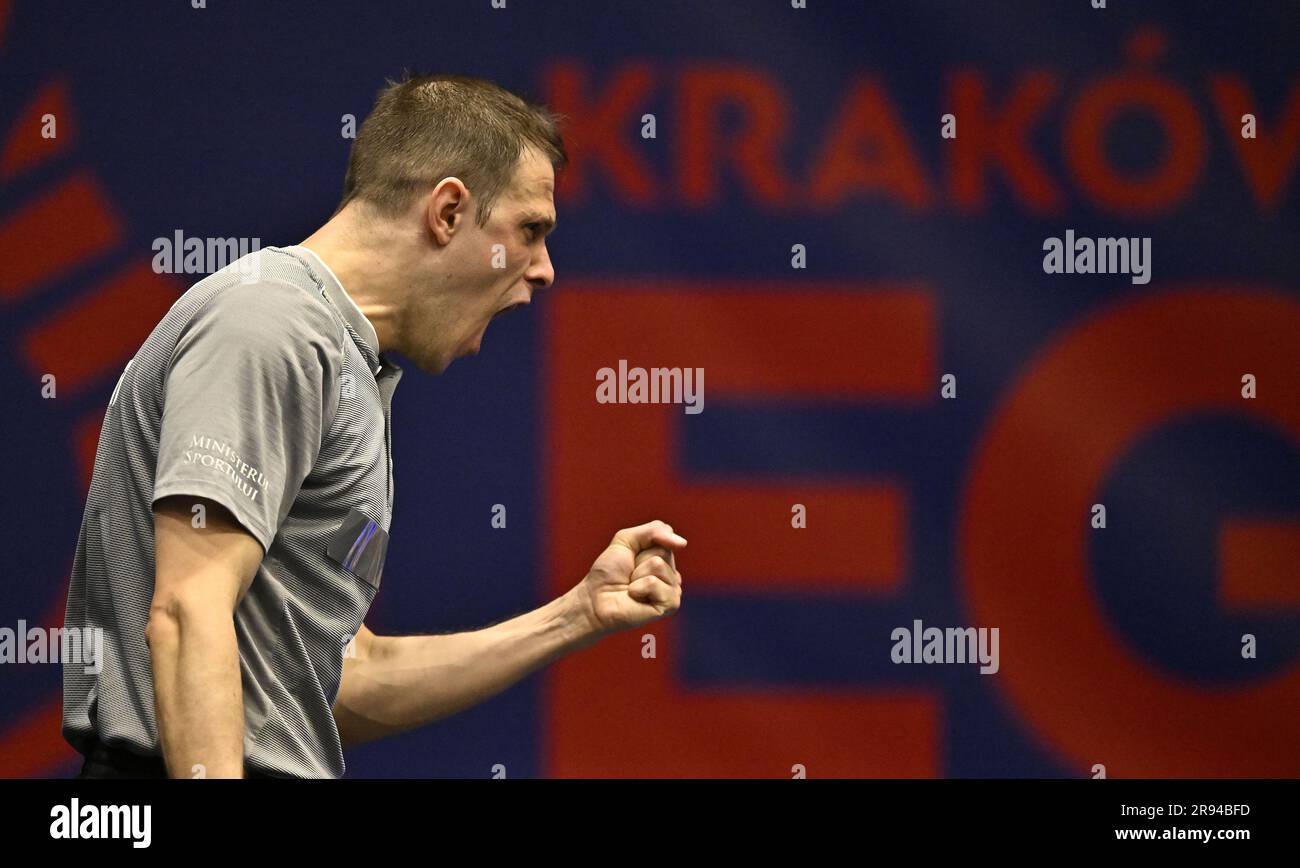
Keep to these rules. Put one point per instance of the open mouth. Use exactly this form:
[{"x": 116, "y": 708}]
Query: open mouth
[{"x": 508, "y": 309}]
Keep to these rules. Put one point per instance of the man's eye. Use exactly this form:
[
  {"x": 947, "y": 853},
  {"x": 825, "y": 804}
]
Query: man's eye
[{"x": 532, "y": 229}]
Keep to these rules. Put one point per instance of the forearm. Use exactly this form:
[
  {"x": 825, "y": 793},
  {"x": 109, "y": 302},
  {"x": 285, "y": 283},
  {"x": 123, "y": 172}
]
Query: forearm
[
  {"x": 197, "y": 693},
  {"x": 399, "y": 683}
]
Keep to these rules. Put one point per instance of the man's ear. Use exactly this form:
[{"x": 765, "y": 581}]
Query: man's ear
[{"x": 448, "y": 205}]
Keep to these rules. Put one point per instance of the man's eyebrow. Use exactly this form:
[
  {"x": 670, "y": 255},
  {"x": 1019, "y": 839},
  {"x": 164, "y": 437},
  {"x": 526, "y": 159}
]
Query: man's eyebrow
[{"x": 548, "y": 223}]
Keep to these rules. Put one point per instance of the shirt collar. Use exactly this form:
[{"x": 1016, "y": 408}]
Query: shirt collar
[{"x": 337, "y": 294}]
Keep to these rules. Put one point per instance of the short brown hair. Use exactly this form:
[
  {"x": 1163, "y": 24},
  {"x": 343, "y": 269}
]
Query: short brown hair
[{"x": 428, "y": 127}]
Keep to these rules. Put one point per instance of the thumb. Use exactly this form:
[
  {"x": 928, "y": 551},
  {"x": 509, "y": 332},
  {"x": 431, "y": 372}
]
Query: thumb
[{"x": 648, "y": 534}]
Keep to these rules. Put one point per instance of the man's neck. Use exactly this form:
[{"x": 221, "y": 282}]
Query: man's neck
[{"x": 367, "y": 276}]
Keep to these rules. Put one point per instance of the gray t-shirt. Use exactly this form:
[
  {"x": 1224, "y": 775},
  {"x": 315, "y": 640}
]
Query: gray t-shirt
[{"x": 261, "y": 389}]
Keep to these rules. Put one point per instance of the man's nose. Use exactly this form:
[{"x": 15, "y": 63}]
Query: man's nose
[{"x": 540, "y": 274}]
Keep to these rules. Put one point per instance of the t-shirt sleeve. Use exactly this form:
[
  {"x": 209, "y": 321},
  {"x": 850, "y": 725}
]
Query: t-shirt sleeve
[{"x": 251, "y": 389}]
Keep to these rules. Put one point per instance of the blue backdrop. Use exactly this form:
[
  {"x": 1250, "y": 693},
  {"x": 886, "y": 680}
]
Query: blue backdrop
[{"x": 773, "y": 127}]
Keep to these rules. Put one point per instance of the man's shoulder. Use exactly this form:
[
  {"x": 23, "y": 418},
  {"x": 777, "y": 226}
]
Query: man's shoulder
[{"x": 266, "y": 293}]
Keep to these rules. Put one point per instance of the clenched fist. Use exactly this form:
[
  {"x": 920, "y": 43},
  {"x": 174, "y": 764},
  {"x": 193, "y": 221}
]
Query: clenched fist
[{"x": 635, "y": 579}]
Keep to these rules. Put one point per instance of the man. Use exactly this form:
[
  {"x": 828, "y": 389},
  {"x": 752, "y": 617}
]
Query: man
[{"x": 236, "y": 524}]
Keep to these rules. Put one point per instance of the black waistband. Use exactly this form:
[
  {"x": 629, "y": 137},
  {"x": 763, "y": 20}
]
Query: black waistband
[{"x": 103, "y": 760}]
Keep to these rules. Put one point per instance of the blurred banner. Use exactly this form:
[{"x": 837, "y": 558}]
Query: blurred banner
[{"x": 990, "y": 312}]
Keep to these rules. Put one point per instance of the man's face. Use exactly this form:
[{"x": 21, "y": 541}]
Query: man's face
[{"x": 488, "y": 270}]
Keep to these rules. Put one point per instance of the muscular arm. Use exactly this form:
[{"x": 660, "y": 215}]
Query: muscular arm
[
  {"x": 397, "y": 683},
  {"x": 201, "y": 575}
]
